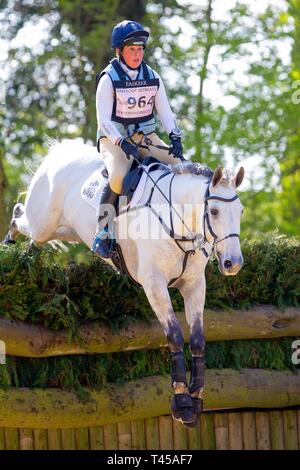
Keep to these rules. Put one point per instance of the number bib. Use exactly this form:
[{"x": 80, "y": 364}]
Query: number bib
[{"x": 134, "y": 100}]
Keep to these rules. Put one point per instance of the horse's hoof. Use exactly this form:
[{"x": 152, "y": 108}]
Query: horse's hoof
[
  {"x": 197, "y": 404},
  {"x": 182, "y": 408},
  {"x": 193, "y": 423}
]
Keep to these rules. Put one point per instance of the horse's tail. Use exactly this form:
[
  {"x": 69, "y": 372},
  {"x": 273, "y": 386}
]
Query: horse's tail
[
  {"x": 58, "y": 245},
  {"x": 23, "y": 193}
]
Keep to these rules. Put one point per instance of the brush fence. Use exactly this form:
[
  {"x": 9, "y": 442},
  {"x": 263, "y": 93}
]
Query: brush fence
[{"x": 244, "y": 409}]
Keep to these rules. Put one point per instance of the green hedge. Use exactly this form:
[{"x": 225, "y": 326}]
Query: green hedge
[
  {"x": 76, "y": 372},
  {"x": 42, "y": 287}
]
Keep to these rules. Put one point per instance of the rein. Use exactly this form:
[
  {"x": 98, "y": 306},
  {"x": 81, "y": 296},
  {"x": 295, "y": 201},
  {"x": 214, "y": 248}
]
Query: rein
[
  {"x": 195, "y": 239},
  {"x": 149, "y": 143}
]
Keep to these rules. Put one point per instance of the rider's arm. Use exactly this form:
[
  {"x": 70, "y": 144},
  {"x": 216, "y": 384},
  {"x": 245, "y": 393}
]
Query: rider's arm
[
  {"x": 162, "y": 107},
  {"x": 104, "y": 106}
]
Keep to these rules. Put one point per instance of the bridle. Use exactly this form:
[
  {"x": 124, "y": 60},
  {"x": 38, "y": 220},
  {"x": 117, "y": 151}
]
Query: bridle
[
  {"x": 206, "y": 221},
  {"x": 198, "y": 240}
]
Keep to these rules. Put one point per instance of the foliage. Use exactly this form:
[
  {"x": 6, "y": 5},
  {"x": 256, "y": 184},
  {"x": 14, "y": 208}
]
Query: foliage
[
  {"x": 49, "y": 83},
  {"x": 231, "y": 87},
  {"x": 41, "y": 287},
  {"x": 290, "y": 163}
]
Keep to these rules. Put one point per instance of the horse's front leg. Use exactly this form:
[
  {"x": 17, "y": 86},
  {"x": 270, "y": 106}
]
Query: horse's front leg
[
  {"x": 155, "y": 287},
  {"x": 194, "y": 299}
]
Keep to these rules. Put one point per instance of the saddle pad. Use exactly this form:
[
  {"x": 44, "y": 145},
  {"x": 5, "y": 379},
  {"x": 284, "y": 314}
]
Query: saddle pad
[
  {"x": 92, "y": 188},
  {"x": 138, "y": 193}
]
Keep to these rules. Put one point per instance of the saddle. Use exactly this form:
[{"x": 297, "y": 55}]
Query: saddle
[
  {"x": 130, "y": 184},
  {"x": 132, "y": 179}
]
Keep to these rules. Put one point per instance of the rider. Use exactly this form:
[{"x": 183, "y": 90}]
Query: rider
[{"x": 128, "y": 93}]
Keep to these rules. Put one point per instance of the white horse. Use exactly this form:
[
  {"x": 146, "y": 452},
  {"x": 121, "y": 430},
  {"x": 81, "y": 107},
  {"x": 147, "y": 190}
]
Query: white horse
[{"x": 203, "y": 215}]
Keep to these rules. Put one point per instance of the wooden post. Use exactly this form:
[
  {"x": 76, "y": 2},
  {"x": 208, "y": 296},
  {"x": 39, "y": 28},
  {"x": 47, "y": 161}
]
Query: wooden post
[
  {"x": 138, "y": 438},
  {"x": 298, "y": 425},
  {"x": 262, "y": 430},
  {"x": 207, "y": 431},
  {"x": 179, "y": 435},
  {"x": 82, "y": 439},
  {"x": 249, "y": 431},
  {"x": 12, "y": 439},
  {"x": 235, "y": 431},
  {"x": 194, "y": 437},
  {"x": 68, "y": 439},
  {"x": 221, "y": 431},
  {"x": 2, "y": 439},
  {"x": 40, "y": 439},
  {"x": 54, "y": 439},
  {"x": 110, "y": 437},
  {"x": 124, "y": 436},
  {"x": 152, "y": 439},
  {"x": 165, "y": 427},
  {"x": 26, "y": 439},
  {"x": 290, "y": 430},
  {"x": 276, "y": 430},
  {"x": 96, "y": 438}
]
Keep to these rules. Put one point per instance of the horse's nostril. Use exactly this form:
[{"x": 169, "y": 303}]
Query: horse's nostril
[{"x": 227, "y": 264}]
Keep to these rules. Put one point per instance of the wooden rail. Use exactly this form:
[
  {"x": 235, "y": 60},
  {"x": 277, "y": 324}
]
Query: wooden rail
[
  {"x": 144, "y": 399},
  {"x": 264, "y": 321}
]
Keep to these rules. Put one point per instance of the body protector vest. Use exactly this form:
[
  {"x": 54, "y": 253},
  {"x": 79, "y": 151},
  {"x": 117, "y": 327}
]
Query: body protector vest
[{"x": 133, "y": 99}]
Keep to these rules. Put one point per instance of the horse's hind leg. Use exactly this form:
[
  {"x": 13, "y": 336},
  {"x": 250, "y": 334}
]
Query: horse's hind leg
[{"x": 14, "y": 230}]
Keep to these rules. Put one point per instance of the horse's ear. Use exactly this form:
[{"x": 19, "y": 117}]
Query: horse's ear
[
  {"x": 239, "y": 177},
  {"x": 218, "y": 173}
]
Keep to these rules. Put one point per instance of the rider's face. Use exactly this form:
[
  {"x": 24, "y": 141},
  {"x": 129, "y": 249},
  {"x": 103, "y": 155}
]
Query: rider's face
[{"x": 133, "y": 55}]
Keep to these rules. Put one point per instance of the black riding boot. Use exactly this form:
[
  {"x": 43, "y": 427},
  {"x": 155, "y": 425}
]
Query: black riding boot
[{"x": 104, "y": 236}]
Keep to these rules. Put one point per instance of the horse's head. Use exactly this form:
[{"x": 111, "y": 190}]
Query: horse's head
[{"x": 223, "y": 211}]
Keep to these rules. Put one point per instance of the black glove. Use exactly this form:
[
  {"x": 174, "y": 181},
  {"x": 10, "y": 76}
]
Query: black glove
[
  {"x": 176, "y": 148},
  {"x": 128, "y": 148}
]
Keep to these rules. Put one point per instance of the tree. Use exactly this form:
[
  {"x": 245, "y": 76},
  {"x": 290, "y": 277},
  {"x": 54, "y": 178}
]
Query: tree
[
  {"x": 50, "y": 87},
  {"x": 258, "y": 121},
  {"x": 91, "y": 22},
  {"x": 290, "y": 162}
]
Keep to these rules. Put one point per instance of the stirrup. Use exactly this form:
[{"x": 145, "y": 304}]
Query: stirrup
[{"x": 103, "y": 243}]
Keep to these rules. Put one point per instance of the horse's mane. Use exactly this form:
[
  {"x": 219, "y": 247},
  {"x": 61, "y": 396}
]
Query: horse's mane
[
  {"x": 192, "y": 168},
  {"x": 195, "y": 168}
]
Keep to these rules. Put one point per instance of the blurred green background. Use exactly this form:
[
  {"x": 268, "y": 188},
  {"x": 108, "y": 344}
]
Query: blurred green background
[{"x": 232, "y": 71}]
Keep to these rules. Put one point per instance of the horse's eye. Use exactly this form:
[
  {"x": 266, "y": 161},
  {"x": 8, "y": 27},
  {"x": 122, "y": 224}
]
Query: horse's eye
[{"x": 214, "y": 212}]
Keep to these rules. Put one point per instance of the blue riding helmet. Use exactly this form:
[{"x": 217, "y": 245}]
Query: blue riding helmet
[{"x": 128, "y": 33}]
